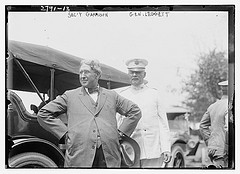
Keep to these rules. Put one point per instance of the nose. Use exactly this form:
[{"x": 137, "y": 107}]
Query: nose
[
  {"x": 135, "y": 74},
  {"x": 83, "y": 76}
]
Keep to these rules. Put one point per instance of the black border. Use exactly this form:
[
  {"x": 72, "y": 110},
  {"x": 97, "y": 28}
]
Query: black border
[{"x": 231, "y": 39}]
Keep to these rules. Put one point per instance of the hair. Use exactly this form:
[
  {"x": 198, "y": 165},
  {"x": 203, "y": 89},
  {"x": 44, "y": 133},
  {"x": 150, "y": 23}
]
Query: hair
[{"x": 94, "y": 64}]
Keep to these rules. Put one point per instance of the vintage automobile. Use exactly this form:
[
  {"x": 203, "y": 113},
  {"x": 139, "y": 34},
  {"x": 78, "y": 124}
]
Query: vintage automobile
[
  {"x": 36, "y": 68},
  {"x": 182, "y": 145}
]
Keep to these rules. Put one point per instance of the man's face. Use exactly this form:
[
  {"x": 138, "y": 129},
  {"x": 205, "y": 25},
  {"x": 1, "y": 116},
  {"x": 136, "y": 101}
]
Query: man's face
[
  {"x": 136, "y": 77},
  {"x": 88, "y": 78}
]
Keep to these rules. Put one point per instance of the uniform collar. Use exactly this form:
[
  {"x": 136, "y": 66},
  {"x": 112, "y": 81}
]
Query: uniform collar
[{"x": 138, "y": 87}]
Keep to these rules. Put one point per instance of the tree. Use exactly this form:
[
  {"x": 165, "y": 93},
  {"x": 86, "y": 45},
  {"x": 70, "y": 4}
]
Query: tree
[{"x": 202, "y": 86}]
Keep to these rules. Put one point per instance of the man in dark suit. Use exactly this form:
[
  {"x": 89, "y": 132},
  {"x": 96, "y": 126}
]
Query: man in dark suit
[
  {"x": 91, "y": 134},
  {"x": 214, "y": 129}
]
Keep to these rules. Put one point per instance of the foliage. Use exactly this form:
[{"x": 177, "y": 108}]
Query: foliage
[{"x": 202, "y": 86}]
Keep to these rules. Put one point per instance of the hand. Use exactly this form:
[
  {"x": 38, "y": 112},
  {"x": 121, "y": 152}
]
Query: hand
[
  {"x": 167, "y": 157},
  {"x": 64, "y": 139},
  {"x": 120, "y": 135},
  {"x": 219, "y": 166},
  {"x": 211, "y": 152}
]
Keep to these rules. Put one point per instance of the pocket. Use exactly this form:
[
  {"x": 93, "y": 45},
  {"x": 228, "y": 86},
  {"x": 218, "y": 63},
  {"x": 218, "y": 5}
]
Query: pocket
[{"x": 74, "y": 148}]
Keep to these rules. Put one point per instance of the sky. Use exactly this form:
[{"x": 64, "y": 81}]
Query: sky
[{"x": 170, "y": 41}]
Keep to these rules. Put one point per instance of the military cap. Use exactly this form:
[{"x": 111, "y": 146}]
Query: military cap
[
  {"x": 130, "y": 151},
  {"x": 136, "y": 64},
  {"x": 223, "y": 83}
]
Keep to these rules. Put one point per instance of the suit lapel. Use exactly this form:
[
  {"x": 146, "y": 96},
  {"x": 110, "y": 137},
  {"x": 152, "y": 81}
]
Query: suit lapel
[
  {"x": 101, "y": 100},
  {"x": 86, "y": 101}
]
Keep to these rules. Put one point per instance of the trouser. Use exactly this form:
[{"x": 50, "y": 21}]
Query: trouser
[
  {"x": 99, "y": 159},
  {"x": 151, "y": 163}
]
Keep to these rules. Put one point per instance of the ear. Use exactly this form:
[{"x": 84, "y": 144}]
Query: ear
[
  {"x": 144, "y": 74},
  {"x": 98, "y": 75}
]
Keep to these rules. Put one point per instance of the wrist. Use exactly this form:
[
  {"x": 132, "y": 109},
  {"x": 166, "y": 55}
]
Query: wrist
[{"x": 120, "y": 133}]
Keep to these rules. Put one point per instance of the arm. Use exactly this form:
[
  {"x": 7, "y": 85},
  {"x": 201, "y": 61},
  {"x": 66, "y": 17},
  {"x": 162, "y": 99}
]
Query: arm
[
  {"x": 226, "y": 129},
  {"x": 119, "y": 119},
  {"x": 48, "y": 116},
  {"x": 132, "y": 113},
  {"x": 226, "y": 121},
  {"x": 204, "y": 126},
  {"x": 164, "y": 127}
]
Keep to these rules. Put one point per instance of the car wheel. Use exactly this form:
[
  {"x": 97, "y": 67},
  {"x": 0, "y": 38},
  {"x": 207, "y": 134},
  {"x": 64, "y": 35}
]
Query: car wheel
[
  {"x": 177, "y": 160},
  {"x": 31, "y": 160}
]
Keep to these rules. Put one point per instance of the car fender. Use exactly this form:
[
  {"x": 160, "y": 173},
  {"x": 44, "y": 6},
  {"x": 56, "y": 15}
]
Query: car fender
[
  {"x": 180, "y": 142},
  {"x": 33, "y": 144}
]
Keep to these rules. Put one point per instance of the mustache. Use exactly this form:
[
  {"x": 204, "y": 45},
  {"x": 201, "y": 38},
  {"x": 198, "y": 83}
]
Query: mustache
[
  {"x": 134, "y": 78},
  {"x": 83, "y": 78}
]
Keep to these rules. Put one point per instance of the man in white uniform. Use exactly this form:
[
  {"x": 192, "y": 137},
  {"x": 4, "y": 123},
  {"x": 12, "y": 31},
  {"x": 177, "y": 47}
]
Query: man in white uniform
[{"x": 152, "y": 132}]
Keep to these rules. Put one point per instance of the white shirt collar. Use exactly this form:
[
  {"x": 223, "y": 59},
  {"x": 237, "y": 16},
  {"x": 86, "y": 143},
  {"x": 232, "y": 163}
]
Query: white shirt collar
[
  {"x": 88, "y": 91},
  {"x": 94, "y": 95}
]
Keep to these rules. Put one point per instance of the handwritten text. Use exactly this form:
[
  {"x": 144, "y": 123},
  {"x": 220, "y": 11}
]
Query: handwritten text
[
  {"x": 149, "y": 14},
  {"x": 51, "y": 8},
  {"x": 87, "y": 14}
]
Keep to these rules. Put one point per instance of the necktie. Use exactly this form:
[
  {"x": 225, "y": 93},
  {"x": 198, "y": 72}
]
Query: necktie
[{"x": 94, "y": 90}]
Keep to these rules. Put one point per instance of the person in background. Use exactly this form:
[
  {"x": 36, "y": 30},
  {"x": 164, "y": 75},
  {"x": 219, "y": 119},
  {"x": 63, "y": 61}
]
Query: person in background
[
  {"x": 214, "y": 129},
  {"x": 91, "y": 135},
  {"x": 231, "y": 132},
  {"x": 152, "y": 132}
]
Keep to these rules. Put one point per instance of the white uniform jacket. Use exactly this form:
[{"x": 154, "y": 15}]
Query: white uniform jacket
[{"x": 152, "y": 132}]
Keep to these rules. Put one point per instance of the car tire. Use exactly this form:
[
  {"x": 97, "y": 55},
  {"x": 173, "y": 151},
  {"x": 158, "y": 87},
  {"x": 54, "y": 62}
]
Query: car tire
[
  {"x": 177, "y": 160},
  {"x": 31, "y": 160}
]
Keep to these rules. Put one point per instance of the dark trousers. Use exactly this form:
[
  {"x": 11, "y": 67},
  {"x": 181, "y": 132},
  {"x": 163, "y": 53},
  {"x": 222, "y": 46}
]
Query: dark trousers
[{"x": 99, "y": 159}]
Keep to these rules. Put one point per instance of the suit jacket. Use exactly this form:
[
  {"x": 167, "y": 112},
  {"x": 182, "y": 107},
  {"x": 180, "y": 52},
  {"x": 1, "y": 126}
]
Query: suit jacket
[
  {"x": 86, "y": 120},
  {"x": 213, "y": 125}
]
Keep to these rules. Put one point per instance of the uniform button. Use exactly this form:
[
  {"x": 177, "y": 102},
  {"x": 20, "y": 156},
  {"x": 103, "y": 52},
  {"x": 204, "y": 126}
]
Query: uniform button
[
  {"x": 93, "y": 147},
  {"x": 94, "y": 130}
]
